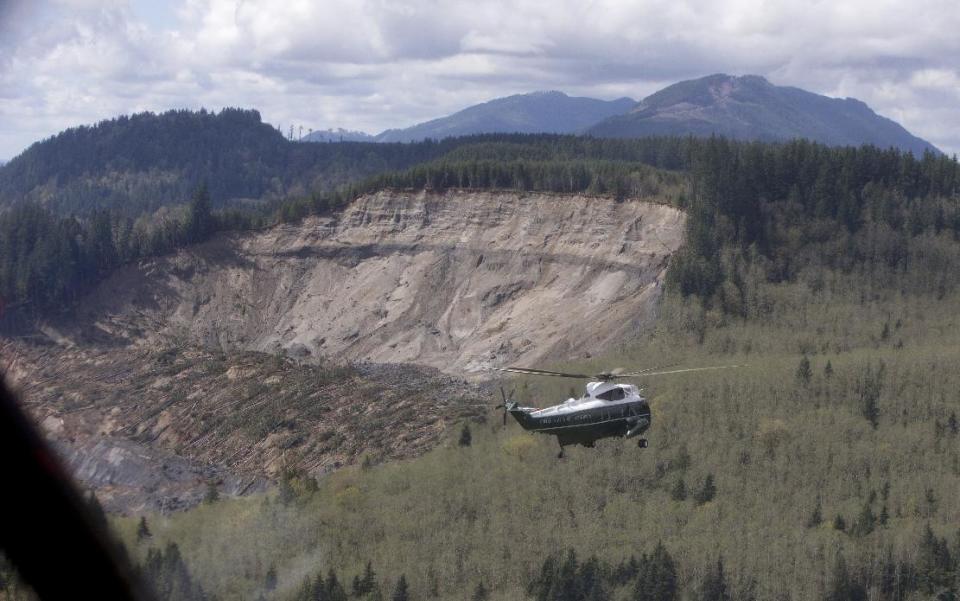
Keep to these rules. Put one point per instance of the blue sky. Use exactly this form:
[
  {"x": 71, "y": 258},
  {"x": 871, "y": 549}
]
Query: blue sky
[{"x": 375, "y": 64}]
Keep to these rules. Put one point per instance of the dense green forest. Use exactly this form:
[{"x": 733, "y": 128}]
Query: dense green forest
[
  {"x": 47, "y": 261},
  {"x": 137, "y": 164}
]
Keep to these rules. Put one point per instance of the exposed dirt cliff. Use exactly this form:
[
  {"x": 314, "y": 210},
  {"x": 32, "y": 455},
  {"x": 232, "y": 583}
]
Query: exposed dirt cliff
[{"x": 459, "y": 281}]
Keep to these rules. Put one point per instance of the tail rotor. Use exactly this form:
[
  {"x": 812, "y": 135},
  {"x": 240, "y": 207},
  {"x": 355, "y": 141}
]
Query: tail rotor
[{"x": 505, "y": 404}]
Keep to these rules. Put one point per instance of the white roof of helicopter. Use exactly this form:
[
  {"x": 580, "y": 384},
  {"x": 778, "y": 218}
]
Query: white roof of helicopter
[
  {"x": 595, "y": 388},
  {"x": 589, "y": 401}
]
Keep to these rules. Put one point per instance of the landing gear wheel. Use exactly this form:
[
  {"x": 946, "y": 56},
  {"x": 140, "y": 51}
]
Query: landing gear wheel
[
  {"x": 560, "y": 454},
  {"x": 642, "y": 443}
]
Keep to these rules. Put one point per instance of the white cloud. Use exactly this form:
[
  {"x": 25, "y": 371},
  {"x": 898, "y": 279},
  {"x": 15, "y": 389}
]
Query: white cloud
[{"x": 373, "y": 64}]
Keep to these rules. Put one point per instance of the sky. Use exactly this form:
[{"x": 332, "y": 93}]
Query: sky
[{"x": 376, "y": 64}]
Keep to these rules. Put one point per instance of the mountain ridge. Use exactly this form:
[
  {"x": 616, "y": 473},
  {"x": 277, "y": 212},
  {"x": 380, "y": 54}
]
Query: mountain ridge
[
  {"x": 749, "y": 107},
  {"x": 543, "y": 111}
]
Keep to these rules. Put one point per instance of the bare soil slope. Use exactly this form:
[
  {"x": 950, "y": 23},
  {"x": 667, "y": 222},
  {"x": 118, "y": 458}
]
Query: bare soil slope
[{"x": 459, "y": 281}]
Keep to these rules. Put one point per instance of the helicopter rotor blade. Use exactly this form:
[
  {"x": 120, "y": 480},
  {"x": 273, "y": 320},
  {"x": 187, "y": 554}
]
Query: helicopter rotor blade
[
  {"x": 612, "y": 374},
  {"x": 541, "y": 372},
  {"x": 643, "y": 374}
]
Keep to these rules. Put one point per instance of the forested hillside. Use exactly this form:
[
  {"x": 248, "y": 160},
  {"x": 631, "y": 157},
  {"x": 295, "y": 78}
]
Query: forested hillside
[{"x": 136, "y": 164}]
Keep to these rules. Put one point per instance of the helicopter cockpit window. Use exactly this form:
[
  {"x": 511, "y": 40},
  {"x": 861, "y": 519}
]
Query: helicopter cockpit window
[{"x": 614, "y": 394}]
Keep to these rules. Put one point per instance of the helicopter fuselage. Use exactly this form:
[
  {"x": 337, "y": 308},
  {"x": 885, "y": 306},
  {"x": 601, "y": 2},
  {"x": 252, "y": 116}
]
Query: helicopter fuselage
[{"x": 606, "y": 410}]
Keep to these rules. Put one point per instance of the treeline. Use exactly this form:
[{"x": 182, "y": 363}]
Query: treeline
[
  {"x": 47, "y": 261},
  {"x": 167, "y": 575},
  {"x": 655, "y": 576},
  {"x": 934, "y": 574},
  {"x": 320, "y": 587}
]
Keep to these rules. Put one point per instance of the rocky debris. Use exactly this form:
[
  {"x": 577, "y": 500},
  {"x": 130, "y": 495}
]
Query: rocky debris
[
  {"x": 132, "y": 478},
  {"x": 151, "y": 429}
]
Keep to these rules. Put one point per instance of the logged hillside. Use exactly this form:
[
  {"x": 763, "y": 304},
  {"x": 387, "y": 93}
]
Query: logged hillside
[{"x": 459, "y": 281}]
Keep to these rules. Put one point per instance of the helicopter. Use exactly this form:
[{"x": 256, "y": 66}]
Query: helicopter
[{"x": 607, "y": 409}]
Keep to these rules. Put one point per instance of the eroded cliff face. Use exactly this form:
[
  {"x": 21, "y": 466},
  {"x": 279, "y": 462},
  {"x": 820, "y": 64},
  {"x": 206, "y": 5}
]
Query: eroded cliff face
[{"x": 459, "y": 281}]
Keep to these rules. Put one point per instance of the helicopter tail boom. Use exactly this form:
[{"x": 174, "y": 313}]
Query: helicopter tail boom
[{"x": 520, "y": 414}]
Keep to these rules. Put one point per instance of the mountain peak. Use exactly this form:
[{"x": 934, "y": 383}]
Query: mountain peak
[{"x": 750, "y": 107}]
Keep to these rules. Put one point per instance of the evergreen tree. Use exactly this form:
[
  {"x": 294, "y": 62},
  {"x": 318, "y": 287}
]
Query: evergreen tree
[
  {"x": 839, "y": 523},
  {"x": 480, "y": 593},
  {"x": 715, "y": 586},
  {"x": 97, "y": 514},
  {"x": 143, "y": 531},
  {"x": 285, "y": 493},
  {"x": 816, "y": 518},
  {"x": 305, "y": 592},
  {"x": 891, "y": 586},
  {"x": 212, "y": 495},
  {"x": 168, "y": 576},
  {"x": 842, "y": 586},
  {"x": 565, "y": 587},
  {"x": 804, "y": 371},
  {"x": 679, "y": 492},
  {"x": 657, "y": 578},
  {"x": 400, "y": 593},
  {"x": 591, "y": 581},
  {"x": 319, "y": 590},
  {"x": 625, "y": 571},
  {"x": 869, "y": 386},
  {"x": 270, "y": 580},
  {"x": 866, "y": 521},
  {"x": 707, "y": 492},
  {"x": 539, "y": 587},
  {"x": 200, "y": 220},
  {"x": 466, "y": 437},
  {"x": 934, "y": 565},
  {"x": 369, "y": 580},
  {"x": 335, "y": 590}
]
